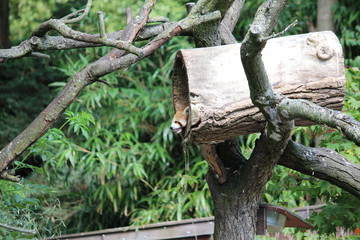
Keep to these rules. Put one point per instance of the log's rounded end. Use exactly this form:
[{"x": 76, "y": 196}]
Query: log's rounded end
[{"x": 180, "y": 85}]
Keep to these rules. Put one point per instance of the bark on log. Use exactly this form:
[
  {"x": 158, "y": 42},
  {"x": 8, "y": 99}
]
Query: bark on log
[{"x": 212, "y": 81}]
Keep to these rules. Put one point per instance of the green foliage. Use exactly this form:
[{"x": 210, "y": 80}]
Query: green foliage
[
  {"x": 303, "y": 11},
  {"x": 352, "y": 97},
  {"x": 23, "y": 94},
  {"x": 130, "y": 163},
  {"x": 342, "y": 211},
  {"x": 348, "y": 27},
  {"x": 18, "y": 208},
  {"x": 114, "y": 160}
]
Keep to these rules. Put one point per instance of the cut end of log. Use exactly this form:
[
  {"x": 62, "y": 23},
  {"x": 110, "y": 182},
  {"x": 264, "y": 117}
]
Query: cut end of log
[{"x": 180, "y": 84}]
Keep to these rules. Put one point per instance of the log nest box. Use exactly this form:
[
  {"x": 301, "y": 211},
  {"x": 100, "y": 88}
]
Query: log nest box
[{"x": 212, "y": 82}]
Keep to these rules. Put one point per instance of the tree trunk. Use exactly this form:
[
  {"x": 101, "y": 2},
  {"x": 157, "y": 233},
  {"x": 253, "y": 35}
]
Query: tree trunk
[
  {"x": 235, "y": 208},
  {"x": 4, "y": 24},
  {"x": 212, "y": 81},
  {"x": 237, "y": 200},
  {"x": 324, "y": 19}
]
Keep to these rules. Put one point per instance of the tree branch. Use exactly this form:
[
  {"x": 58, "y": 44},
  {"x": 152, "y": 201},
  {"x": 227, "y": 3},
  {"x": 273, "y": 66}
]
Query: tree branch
[
  {"x": 133, "y": 28},
  {"x": 69, "y": 18},
  {"x": 292, "y": 108},
  {"x": 64, "y": 30},
  {"x": 324, "y": 164},
  {"x": 74, "y": 39},
  {"x": 59, "y": 42},
  {"x": 229, "y": 21},
  {"x": 275, "y": 35},
  {"x": 278, "y": 129}
]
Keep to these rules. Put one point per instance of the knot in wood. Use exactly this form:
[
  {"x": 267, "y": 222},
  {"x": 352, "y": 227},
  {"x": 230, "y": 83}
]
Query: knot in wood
[
  {"x": 34, "y": 40},
  {"x": 324, "y": 52}
]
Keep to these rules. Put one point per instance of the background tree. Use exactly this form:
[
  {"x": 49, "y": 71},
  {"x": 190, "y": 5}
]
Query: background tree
[
  {"x": 4, "y": 24},
  {"x": 94, "y": 175}
]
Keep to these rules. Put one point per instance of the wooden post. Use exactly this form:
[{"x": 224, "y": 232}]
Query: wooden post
[{"x": 212, "y": 81}]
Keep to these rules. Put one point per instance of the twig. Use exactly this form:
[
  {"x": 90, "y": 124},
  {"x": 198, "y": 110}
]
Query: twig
[
  {"x": 66, "y": 31},
  {"x": 158, "y": 19},
  {"x": 39, "y": 55},
  {"x": 17, "y": 229},
  {"x": 274, "y": 35},
  {"x": 102, "y": 81},
  {"x": 81, "y": 17},
  {"x": 128, "y": 15},
  {"x": 133, "y": 29},
  {"x": 73, "y": 14},
  {"x": 187, "y": 23},
  {"x": 101, "y": 25},
  {"x": 117, "y": 43}
]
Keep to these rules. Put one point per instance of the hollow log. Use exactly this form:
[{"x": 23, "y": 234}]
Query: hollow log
[{"x": 212, "y": 81}]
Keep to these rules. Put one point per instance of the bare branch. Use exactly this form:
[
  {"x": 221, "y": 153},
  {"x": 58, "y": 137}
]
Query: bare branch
[
  {"x": 188, "y": 23},
  {"x": 274, "y": 35},
  {"x": 102, "y": 81},
  {"x": 68, "y": 18},
  {"x": 71, "y": 15},
  {"x": 39, "y": 55},
  {"x": 79, "y": 36},
  {"x": 133, "y": 28},
  {"x": 264, "y": 22},
  {"x": 261, "y": 92},
  {"x": 17, "y": 229},
  {"x": 128, "y": 15},
  {"x": 101, "y": 25},
  {"x": 226, "y": 36},
  {"x": 291, "y": 109},
  {"x": 324, "y": 164},
  {"x": 232, "y": 15},
  {"x": 23, "y": 49},
  {"x": 229, "y": 21},
  {"x": 59, "y": 42},
  {"x": 50, "y": 24},
  {"x": 158, "y": 19}
]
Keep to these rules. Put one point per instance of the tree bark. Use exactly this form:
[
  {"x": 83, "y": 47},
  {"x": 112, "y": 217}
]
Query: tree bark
[{"x": 4, "y": 24}]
